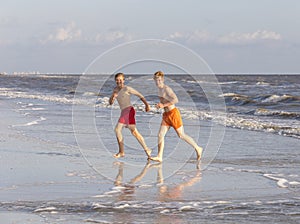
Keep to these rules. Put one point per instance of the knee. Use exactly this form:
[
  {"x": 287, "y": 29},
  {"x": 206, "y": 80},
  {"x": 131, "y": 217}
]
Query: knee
[
  {"x": 161, "y": 135},
  {"x": 134, "y": 132},
  {"x": 117, "y": 131},
  {"x": 181, "y": 135}
]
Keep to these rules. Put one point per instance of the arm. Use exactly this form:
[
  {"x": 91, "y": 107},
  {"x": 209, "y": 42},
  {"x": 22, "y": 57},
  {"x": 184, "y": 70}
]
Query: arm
[
  {"x": 113, "y": 97},
  {"x": 170, "y": 99},
  {"x": 138, "y": 94}
]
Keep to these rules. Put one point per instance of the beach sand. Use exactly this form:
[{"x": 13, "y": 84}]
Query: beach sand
[{"x": 253, "y": 176}]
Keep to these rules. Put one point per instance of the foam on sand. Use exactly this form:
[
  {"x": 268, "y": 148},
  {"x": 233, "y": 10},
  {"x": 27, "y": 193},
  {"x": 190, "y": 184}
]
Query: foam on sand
[{"x": 281, "y": 181}]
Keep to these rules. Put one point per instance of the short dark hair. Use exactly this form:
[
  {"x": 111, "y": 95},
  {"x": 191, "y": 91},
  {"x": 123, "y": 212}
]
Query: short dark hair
[
  {"x": 119, "y": 74},
  {"x": 158, "y": 74}
]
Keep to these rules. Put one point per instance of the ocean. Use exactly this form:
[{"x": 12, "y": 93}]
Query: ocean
[{"x": 57, "y": 141}]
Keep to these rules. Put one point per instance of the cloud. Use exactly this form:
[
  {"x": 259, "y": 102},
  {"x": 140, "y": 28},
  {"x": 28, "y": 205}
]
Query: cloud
[
  {"x": 193, "y": 37},
  {"x": 247, "y": 38},
  {"x": 113, "y": 36},
  {"x": 71, "y": 33},
  {"x": 68, "y": 33},
  {"x": 4, "y": 42},
  {"x": 234, "y": 38}
]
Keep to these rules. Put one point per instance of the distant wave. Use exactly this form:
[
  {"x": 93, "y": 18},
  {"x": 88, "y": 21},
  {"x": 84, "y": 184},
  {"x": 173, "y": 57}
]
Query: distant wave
[
  {"x": 250, "y": 121},
  {"x": 284, "y": 114},
  {"x": 12, "y": 93},
  {"x": 262, "y": 84},
  {"x": 277, "y": 98},
  {"x": 242, "y": 121},
  {"x": 238, "y": 99}
]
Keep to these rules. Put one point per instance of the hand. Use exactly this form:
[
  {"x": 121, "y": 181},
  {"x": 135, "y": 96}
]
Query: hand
[
  {"x": 116, "y": 91},
  {"x": 147, "y": 108},
  {"x": 159, "y": 105}
]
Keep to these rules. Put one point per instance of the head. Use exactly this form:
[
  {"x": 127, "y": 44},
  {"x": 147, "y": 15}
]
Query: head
[
  {"x": 159, "y": 79},
  {"x": 120, "y": 79}
]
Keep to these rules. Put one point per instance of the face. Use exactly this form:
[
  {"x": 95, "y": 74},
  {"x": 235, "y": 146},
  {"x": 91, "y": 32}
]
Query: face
[
  {"x": 120, "y": 81},
  {"x": 159, "y": 81}
]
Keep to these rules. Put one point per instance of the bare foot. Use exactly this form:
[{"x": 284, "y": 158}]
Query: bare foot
[
  {"x": 119, "y": 155},
  {"x": 156, "y": 159},
  {"x": 148, "y": 153},
  {"x": 118, "y": 163},
  {"x": 199, "y": 153}
]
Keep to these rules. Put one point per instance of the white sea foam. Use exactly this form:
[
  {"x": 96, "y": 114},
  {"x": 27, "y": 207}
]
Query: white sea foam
[
  {"x": 226, "y": 119},
  {"x": 11, "y": 93},
  {"x": 101, "y": 196},
  {"x": 230, "y": 95},
  {"x": 262, "y": 84},
  {"x": 98, "y": 205},
  {"x": 276, "y": 98},
  {"x": 281, "y": 181},
  {"x": 228, "y": 83},
  {"x": 186, "y": 208},
  {"x": 242, "y": 121},
  {"x": 112, "y": 192},
  {"x": 294, "y": 183},
  {"x": 32, "y": 109},
  {"x": 222, "y": 202},
  {"x": 35, "y": 122},
  {"x": 46, "y": 209},
  {"x": 122, "y": 206},
  {"x": 165, "y": 211},
  {"x": 266, "y": 112},
  {"x": 90, "y": 94},
  {"x": 96, "y": 221}
]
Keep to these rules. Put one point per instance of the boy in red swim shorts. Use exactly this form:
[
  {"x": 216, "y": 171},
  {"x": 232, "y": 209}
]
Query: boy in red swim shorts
[
  {"x": 127, "y": 118},
  {"x": 171, "y": 117}
]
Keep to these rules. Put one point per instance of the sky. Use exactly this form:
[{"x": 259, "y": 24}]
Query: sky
[{"x": 232, "y": 36}]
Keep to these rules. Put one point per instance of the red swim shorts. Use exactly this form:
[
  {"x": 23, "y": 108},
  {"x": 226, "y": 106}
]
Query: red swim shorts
[
  {"x": 127, "y": 116},
  {"x": 172, "y": 118}
]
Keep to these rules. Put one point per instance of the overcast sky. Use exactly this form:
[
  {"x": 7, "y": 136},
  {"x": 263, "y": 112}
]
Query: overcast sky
[{"x": 232, "y": 36}]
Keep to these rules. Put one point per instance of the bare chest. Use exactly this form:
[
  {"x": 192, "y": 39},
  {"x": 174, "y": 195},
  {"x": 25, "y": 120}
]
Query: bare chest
[
  {"x": 163, "y": 96},
  {"x": 123, "y": 94}
]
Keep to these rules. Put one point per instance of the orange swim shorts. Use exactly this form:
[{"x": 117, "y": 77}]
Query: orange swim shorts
[
  {"x": 172, "y": 118},
  {"x": 127, "y": 116}
]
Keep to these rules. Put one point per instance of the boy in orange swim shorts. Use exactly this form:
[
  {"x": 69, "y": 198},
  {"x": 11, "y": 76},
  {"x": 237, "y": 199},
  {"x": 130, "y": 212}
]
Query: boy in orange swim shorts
[{"x": 171, "y": 117}]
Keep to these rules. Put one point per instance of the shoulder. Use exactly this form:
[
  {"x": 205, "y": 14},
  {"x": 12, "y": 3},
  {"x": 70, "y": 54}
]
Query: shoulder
[
  {"x": 168, "y": 88},
  {"x": 129, "y": 89},
  {"x": 116, "y": 89}
]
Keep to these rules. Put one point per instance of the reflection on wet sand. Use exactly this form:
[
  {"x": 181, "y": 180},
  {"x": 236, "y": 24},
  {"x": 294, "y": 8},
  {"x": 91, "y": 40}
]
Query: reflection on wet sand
[{"x": 166, "y": 191}]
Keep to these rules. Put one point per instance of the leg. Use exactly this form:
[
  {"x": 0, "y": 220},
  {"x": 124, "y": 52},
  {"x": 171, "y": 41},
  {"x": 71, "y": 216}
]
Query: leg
[
  {"x": 118, "y": 131},
  {"x": 189, "y": 140},
  {"x": 140, "y": 139},
  {"x": 161, "y": 143},
  {"x": 142, "y": 174},
  {"x": 119, "y": 177}
]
